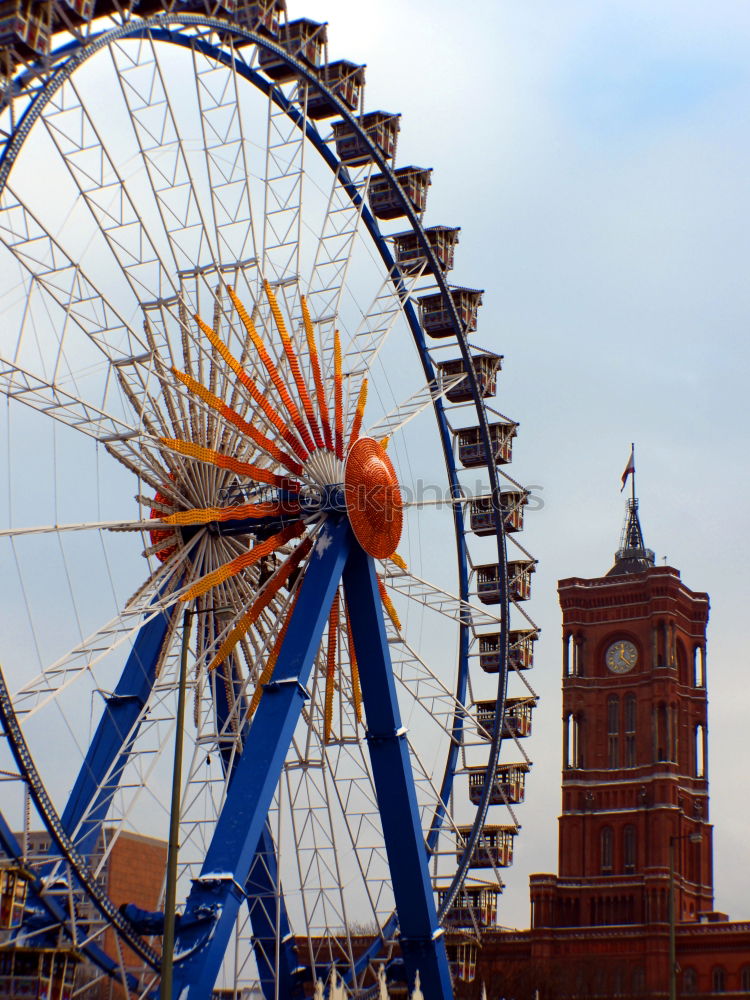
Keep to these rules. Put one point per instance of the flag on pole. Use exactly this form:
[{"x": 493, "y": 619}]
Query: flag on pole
[{"x": 629, "y": 468}]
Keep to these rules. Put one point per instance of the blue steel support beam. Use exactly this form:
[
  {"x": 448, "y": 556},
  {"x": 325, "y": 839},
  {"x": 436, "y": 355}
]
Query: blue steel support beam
[
  {"x": 219, "y": 890},
  {"x": 422, "y": 943},
  {"x": 260, "y": 889},
  {"x": 90, "y": 797}
]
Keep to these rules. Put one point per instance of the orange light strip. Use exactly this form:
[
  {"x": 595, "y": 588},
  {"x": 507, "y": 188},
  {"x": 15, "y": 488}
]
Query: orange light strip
[
  {"x": 320, "y": 392},
  {"x": 333, "y": 635},
  {"x": 267, "y": 594},
  {"x": 359, "y": 413},
  {"x": 270, "y": 411},
  {"x": 398, "y": 561},
  {"x": 263, "y": 442},
  {"x": 356, "y": 687},
  {"x": 338, "y": 394},
  {"x": 204, "y": 515},
  {"x": 244, "y": 561},
  {"x": 211, "y": 457},
  {"x": 273, "y": 371},
  {"x": 388, "y": 605},
  {"x": 267, "y": 672},
  {"x": 291, "y": 356}
]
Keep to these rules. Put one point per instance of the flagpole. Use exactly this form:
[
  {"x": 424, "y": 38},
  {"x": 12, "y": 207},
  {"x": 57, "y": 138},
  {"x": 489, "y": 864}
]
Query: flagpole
[{"x": 632, "y": 474}]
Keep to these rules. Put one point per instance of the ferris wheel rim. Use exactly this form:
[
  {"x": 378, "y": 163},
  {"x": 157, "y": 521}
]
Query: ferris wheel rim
[{"x": 155, "y": 27}]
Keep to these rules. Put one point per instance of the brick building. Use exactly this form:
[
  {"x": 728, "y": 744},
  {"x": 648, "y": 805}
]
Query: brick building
[
  {"x": 630, "y": 912},
  {"x": 131, "y": 870}
]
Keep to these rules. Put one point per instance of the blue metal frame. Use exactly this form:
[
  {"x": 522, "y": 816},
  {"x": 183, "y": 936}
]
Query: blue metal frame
[
  {"x": 219, "y": 890},
  {"x": 421, "y": 940},
  {"x": 90, "y": 797},
  {"x": 266, "y": 909}
]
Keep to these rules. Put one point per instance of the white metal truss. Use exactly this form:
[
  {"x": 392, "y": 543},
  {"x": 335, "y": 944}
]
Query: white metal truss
[
  {"x": 283, "y": 182},
  {"x": 436, "y": 598},
  {"x": 159, "y": 139},
  {"x": 84, "y": 153},
  {"x": 423, "y": 398},
  {"x": 225, "y": 146}
]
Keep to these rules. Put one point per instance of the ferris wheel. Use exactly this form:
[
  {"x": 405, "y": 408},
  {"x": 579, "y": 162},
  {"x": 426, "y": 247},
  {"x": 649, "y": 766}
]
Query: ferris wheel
[{"x": 259, "y": 602}]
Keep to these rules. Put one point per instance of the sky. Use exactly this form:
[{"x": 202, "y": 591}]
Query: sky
[{"x": 595, "y": 155}]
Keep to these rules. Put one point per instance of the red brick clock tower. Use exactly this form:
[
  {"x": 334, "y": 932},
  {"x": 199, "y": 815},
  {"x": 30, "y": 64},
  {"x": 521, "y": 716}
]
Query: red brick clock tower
[
  {"x": 634, "y": 833},
  {"x": 635, "y": 777}
]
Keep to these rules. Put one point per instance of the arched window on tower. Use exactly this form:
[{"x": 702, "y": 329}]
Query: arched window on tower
[
  {"x": 718, "y": 979},
  {"x": 613, "y": 731},
  {"x": 639, "y": 980},
  {"x": 572, "y": 741},
  {"x": 630, "y": 724},
  {"x": 700, "y": 751},
  {"x": 567, "y": 643},
  {"x": 662, "y": 732},
  {"x": 607, "y": 848},
  {"x": 699, "y": 666},
  {"x": 745, "y": 979},
  {"x": 689, "y": 980},
  {"x": 577, "y": 667},
  {"x": 674, "y": 729},
  {"x": 629, "y": 848}
]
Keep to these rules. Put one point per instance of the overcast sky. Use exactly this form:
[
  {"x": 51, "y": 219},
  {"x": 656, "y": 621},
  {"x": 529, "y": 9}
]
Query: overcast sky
[{"x": 595, "y": 155}]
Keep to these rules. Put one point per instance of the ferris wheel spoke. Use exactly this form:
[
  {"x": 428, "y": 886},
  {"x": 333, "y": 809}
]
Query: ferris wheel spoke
[
  {"x": 62, "y": 278},
  {"x": 419, "y": 401},
  {"x": 421, "y": 591},
  {"x": 147, "y": 99},
  {"x": 378, "y": 321},
  {"x": 283, "y": 179},
  {"x": 54, "y": 529},
  {"x": 60, "y": 403},
  {"x": 336, "y": 244},
  {"x": 151, "y": 602},
  {"x": 225, "y": 147}
]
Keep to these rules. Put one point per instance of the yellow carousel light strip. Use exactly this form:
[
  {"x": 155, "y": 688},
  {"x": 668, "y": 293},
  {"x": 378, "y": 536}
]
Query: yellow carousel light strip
[
  {"x": 333, "y": 635},
  {"x": 211, "y": 457},
  {"x": 388, "y": 605},
  {"x": 320, "y": 392},
  {"x": 265, "y": 597},
  {"x": 356, "y": 687},
  {"x": 244, "y": 561},
  {"x": 267, "y": 672},
  {"x": 338, "y": 395},
  {"x": 265, "y": 357},
  {"x": 204, "y": 515},
  {"x": 291, "y": 356},
  {"x": 263, "y": 442},
  {"x": 359, "y": 413},
  {"x": 270, "y": 411}
]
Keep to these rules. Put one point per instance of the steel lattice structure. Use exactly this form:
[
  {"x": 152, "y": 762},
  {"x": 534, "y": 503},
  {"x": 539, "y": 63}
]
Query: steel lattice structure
[{"x": 207, "y": 301}]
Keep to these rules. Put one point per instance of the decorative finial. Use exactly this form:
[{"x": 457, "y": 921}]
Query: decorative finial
[{"x": 632, "y": 555}]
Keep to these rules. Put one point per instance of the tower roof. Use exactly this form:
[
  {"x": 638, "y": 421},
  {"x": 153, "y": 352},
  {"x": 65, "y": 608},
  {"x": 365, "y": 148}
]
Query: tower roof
[{"x": 632, "y": 555}]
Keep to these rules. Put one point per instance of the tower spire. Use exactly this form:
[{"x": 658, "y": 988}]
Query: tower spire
[{"x": 632, "y": 555}]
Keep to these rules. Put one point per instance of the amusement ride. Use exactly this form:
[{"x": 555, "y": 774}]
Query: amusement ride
[{"x": 263, "y": 586}]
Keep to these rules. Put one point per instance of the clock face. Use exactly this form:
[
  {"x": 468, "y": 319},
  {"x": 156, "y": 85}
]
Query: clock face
[{"x": 621, "y": 656}]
